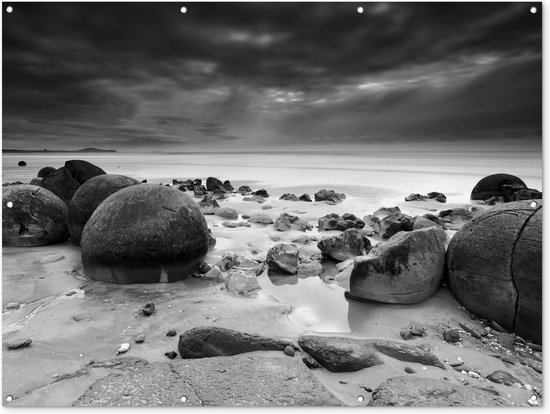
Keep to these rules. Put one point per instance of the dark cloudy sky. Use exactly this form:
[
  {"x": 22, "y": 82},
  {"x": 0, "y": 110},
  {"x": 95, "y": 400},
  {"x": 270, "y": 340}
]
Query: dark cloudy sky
[{"x": 143, "y": 76}]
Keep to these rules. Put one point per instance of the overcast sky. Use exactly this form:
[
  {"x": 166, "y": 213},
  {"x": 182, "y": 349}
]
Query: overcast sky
[{"x": 140, "y": 77}]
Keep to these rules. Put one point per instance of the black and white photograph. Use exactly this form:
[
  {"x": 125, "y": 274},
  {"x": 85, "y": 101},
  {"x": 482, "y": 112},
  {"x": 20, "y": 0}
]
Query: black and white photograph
[{"x": 272, "y": 204}]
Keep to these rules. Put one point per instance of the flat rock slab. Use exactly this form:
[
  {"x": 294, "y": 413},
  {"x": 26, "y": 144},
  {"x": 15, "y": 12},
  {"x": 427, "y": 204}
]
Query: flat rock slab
[
  {"x": 252, "y": 380},
  {"x": 338, "y": 354},
  {"x": 416, "y": 391}
]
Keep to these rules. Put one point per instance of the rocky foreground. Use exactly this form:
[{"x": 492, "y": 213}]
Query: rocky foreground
[{"x": 419, "y": 330}]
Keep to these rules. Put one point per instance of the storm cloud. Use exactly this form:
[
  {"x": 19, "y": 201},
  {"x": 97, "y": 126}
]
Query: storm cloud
[{"x": 143, "y": 76}]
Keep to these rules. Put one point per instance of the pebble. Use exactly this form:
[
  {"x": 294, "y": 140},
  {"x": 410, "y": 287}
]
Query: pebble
[
  {"x": 367, "y": 389},
  {"x": 456, "y": 364},
  {"x": 171, "y": 354},
  {"x": 343, "y": 382},
  {"x": 405, "y": 334},
  {"x": 22, "y": 343},
  {"x": 171, "y": 332},
  {"x": 473, "y": 374},
  {"x": 123, "y": 348},
  {"x": 310, "y": 362},
  {"x": 148, "y": 309},
  {"x": 417, "y": 330},
  {"x": 13, "y": 305},
  {"x": 451, "y": 335},
  {"x": 409, "y": 370},
  {"x": 289, "y": 351},
  {"x": 140, "y": 338}
]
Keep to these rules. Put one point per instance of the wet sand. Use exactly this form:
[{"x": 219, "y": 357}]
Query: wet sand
[{"x": 73, "y": 321}]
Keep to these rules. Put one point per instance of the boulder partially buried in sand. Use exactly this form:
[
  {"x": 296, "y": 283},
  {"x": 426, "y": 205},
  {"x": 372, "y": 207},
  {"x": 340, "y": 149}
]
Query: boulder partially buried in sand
[
  {"x": 82, "y": 170},
  {"x": 61, "y": 183},
  {"x": 495, "y": 267},
  {"x": 492, "y": 186},
  {"x": 144, "y": 234},
  {"x": 34, "y": 216},
  {"x": 89, "y": 196},
  {"x": 408, "y": 268}
]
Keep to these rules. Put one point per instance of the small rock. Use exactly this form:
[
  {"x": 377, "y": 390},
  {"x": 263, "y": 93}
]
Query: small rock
[
  {"x": 409, "y": 370},
  {"x": 310, "y": 362},
  {"x": 305, "y": 197},
  {"x": 148, "y": 309},
  {"x": 18, "y": 344},
  {"x": 204, "y": 268},
  {"x": 13, "y": 305},
  {"x": 503, "y": 377},
  {"x": 171, "y": 354},
  {"x": 343, "y": 382},
  {"x": 456, "y": 364},
  {"x": 289, "y": 350},
  {"x": 473, "y": 374},
  {"x": 140, "y": 338},
  {"x": 406, "y": 334},
  {"x": 171, "y": 332},
  {"x": 418, "y": 330},
  {"x": 451, "y": 335},
  {"x": 123, "y": 348}
]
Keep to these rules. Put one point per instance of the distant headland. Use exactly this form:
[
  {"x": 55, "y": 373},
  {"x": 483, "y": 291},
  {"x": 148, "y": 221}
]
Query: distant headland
[{"x": 47, "y": 150}]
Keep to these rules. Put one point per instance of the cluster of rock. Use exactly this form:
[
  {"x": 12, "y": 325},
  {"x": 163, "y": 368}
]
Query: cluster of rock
[
  {"x": 503, "y": 188},
  {"x": 334, "y": 221},
  {"x": 292, "y": 197},
  {"x": 329, "y": 196},
  {"x": 128, "y": 232},
  {"x": 433, "y": 195}
]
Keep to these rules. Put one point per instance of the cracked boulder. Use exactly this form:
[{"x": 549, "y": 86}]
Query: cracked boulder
[
  {"x": 89, "y": 196},
  {"x": 34, "y": 216},
  {"x": 341, "y": 354},
  {"x": 405, "y": 269},
  {"x": 212, "y": 341},
  {"x": 495, "y": 267},
  {"x": 144, "y": 234}
]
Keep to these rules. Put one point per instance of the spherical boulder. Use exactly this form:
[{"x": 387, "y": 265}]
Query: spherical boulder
[
  {"x": 45, "y": 171},
  {"x": 82, "y": 170},
  {"x": 492, "y": 186},
  {"x": 144, "y": 234},
  {"x": 32, "y": 216},
  {"x": 22, "y": 164},
  {"x": 89, "y": 196},
  {"x": 495, "y": 267}
]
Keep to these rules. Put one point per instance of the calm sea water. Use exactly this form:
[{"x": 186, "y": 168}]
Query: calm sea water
[{"x": 360, "y": 174}]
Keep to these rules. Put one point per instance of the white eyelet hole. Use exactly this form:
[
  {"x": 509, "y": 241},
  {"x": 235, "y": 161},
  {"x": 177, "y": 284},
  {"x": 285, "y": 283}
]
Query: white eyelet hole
[
  {"x": 184, "y": 399},
  {"x": 9, "y": 9},
  {"x": 533, "y": 204},
  {"x": 360, "y": 398},
  {"x": 9, "y": 398},
  {"x": 183, "y": 10},
  {"x": 360, "y": 10},
  {"x": 533, "y": 10},
  {"x": 9, "y": 204}
]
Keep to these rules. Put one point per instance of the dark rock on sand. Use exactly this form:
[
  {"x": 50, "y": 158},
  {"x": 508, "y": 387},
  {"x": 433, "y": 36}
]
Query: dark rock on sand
[
  {"x": 82, "y": 170},
  {"x": 61, "y": 183},
  {"x": 144, "y": 234},
  {"x": 340, "y": 354},
  {"x": 495, "y": 267},
  {"x": 227, "y": 186},
  {"x": 22, "y": 164},
  {"x": 244, "y": 189},
  {"x": 144, "y": 181},
  {"x": 212, "y": 183},
  {"x": 451, "y": 335},
  {"x": 283, "y": 258},
  {"x": 412, "y": 390},
  {"x": 415, "y": 197},
  {"x": 19, "y": 343},
  {"x": 140, "y": 338},
  {"x": 395, "y": 223},
  {"x": 37, "y": 217},
  {"x": 437, "y": 196},
  {"x": 171, "y": 332},
  {"x": 288, "y": 197},
  {"x": 503, "y": 377},
  {"x": 260, "y": 218},
  {"x": 346, "y": 246},
  {"x": 409, "y": 370},
  {"x": 262, "y": 193},
  {"x": 219, "y": 193},
  {"x": 305, "y": 197},
  {"x": 211, "y": 341},
  {"x": 89, "y": 196},
  {"x": 148, "y": 309},
  {"x": 14, "y": 183},
  {"x": 45, "y": 171},
  {"x": 330, "y": 196},
  {"x": 310, "y": 362},
  {"x": 199, "y": 191},
  {"x": 171, "y": 354},
  {"x": 289, "y": 351},
  {"x": 527, "y": 194},
  {"x": 333, "y": 221},
  {"x": 492, "y": 185},
  {"x": 407, "y": 268},
  {"x": 208, "y": 205}
]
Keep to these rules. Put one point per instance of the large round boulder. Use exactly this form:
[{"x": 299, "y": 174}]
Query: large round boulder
[
  {"x": 89, "y": 196},
  {"x": 144, "y": 234},
  {"x": 32, "y": 216},
  {"x": 497, "y": 185},
  {"x": 44, "y": 171},
  {"x": 82, "y": 170},
  {"x": 407, "y": 268},
  {"x": 495, "y": 267}
]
